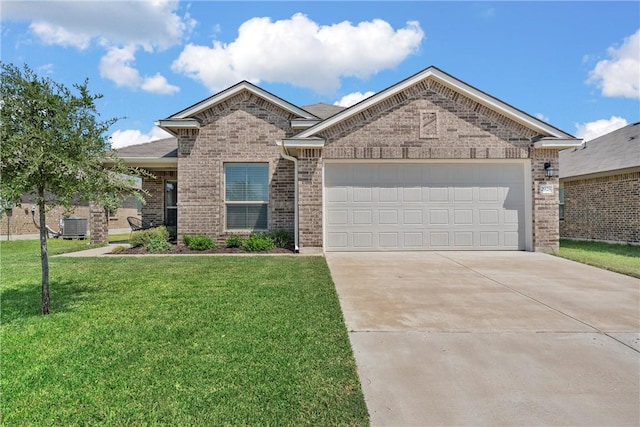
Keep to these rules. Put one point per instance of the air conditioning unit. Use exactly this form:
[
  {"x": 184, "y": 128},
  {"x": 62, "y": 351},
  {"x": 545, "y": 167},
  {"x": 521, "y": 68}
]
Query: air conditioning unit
[{"x": 73, "y": 228}]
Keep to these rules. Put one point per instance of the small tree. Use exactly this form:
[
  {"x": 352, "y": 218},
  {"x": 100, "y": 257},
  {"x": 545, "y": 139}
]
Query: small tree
[{"x": 53, "y": 146}]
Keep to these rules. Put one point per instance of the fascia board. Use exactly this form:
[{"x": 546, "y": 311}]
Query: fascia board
[
  {"x": 451, "y": 82},
  {"x": 598, "y": 174},
  {"x": 557, "y": 143},
  {"x": 178, "y": 124},
  {"x": 234, "y": 90},
  {"x": 303, "y": 123},
  {"x": 150, "y": 162},
  {"x": 302, "y": 142},
  {"x": 171, "y": 125}
]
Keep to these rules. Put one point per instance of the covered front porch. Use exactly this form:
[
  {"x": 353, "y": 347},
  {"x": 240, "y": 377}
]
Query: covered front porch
[{"x": 160, "y": 159}]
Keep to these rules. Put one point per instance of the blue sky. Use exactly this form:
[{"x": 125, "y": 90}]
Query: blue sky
[{"x": 573, "y": 64}]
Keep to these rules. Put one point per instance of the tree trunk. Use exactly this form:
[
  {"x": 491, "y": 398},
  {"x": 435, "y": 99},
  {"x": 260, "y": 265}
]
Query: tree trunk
[{"x": 44, "y": 257}]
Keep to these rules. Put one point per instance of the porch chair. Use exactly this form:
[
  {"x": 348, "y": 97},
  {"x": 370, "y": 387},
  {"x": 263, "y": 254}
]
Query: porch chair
[{"x": 137, "y": 224}]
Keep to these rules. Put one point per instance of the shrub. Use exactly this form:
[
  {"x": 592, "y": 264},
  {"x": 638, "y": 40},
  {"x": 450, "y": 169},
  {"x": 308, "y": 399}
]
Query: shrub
[
  {"x": 143, "y": 237},
  {"x": 118, "y": 249},
  {"x": 258, "y": 242},
  {"x": 199, "y": 242},
  {"x": 281, "y": 238},
  {"x": 158, "y": 244},
  {"x": 234, "y": 241}
]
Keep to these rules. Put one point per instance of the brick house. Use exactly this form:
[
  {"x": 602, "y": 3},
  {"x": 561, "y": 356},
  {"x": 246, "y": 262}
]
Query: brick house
[
  {"x": 600, "y": 188},
  {"x": 430, "y": 163}
]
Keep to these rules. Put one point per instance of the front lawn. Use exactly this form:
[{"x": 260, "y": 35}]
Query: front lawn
[
  {"x": 255, "y": 340},
  {"x": 624, "y": 259}
]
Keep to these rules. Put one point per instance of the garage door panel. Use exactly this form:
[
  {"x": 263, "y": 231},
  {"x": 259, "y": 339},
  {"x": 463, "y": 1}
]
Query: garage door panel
[
  {"x": 337, "y": 240},
  {"x": 412, "y": 194},
  {"x": 488, "y": 194},
  {"x": 362, "y": 195},
  {"x": 388, "y": 240},
  {"x": 362, "y": 217},
  {"x": 462, "y": 239},
  {"x": 489, "y": 239},
  {"x": 439, "y": 239},
  {"x": 462, "y": 217},
  {"x": 387, "y": 217},
  {"x": 386, "y": 195},
  {"x": 489, "y": 216},
  {"x": 413, "y": 240},
  {"x": 438, "y": 217},
  {"x": 337, "y": 217},
  {"x": 437, "y": 194},
  {"x": 424, "y": 206},
  {"x": 412, "y": 217},
  {"x": 363, "y": 240}
]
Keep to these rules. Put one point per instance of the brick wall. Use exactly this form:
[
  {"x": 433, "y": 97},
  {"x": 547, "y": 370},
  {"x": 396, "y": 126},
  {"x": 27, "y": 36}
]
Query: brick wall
[
  {"x": 545, "y": 206},
  {"x": 604, "y": 208},
  {"x": 310, "y": 198},
  {"x": 99, "y": 224},
  {"x": 244, "y": 128},
  {"x": 153, "y": 209},
  {"x": 460, "y": 129}
]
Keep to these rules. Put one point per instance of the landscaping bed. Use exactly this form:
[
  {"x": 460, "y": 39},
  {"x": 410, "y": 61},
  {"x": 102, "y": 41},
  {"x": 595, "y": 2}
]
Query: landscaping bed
[
  {"x": 158, "y": 241},
  {"x": 184, "y": 250}
]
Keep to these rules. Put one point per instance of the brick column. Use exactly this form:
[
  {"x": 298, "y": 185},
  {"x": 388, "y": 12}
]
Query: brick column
[
  {"x": 99, "y": 224},
  {"x": 546, "y": 217},
  {"x": 310, "y": 200}
]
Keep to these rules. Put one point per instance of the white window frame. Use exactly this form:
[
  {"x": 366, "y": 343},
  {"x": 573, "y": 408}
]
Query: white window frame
[{"x": 228, "y": 203}]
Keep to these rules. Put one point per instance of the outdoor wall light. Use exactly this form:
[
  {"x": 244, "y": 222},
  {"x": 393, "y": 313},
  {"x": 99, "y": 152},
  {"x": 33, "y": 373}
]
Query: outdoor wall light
[{"x": 548, "y": 169}]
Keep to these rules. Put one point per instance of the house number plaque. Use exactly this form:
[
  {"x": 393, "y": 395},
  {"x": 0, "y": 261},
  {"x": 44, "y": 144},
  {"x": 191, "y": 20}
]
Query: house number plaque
[{"x": 546, "y": 189}]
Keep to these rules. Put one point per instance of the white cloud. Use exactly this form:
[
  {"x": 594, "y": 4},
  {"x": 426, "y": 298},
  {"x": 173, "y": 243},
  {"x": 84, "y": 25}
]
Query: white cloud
[
  {"x": 352, "y": 98},
  {"x": 158, "y": 84},
  {"x": 150, "y": 23},
  {"x": 301, "y": 52},
  {"x": 116, "y": 66},
  {"x": 592, "y": 130},
  {"x": 55, "y": 35},
  {"x": 620, "y": 75},
  {"x": 124, "y": 138},
  {"x": 122, "y": 27}
]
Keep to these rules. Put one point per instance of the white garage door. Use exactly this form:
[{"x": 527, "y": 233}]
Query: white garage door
[{"x": 432, "y": 206}]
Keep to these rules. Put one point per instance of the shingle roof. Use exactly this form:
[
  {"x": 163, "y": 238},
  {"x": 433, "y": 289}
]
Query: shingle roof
[
  {"x": 617, "y": 150},
  {"x": 159, "y": 149},
  {"x": 322, "y": 110}
]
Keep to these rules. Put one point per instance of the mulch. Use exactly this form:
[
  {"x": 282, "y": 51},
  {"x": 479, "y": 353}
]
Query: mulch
[{"x": 183, "y": 250}]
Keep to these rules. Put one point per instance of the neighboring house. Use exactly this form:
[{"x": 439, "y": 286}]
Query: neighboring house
[
  {"x": 20, "y": 222},
  {"x": 430, "y": 163},
  {"x": 600, "y": 182}
]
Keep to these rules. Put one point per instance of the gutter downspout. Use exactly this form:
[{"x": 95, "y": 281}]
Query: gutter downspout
[{"x": 285, "y": 155}]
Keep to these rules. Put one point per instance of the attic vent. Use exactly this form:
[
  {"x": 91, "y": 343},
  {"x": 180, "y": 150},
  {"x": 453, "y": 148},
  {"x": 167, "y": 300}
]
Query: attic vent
[{"x": 428, "y": 124}]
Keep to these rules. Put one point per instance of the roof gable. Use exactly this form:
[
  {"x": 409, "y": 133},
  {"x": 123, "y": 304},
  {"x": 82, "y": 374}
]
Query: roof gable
[
  {"x": 615, "y": 151},
  {"x": 451, "y": 83},
  {"x": 205, "y": 104}
]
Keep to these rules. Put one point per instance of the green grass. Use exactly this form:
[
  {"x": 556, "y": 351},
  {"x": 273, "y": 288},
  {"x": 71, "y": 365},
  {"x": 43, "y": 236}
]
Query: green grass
[
  {"x": 624, "y": 259},
  {"x": 119, "y": 238},
  {"x": 174, "y": 341}
]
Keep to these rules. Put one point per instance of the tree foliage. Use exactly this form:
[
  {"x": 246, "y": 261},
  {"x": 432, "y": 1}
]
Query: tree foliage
[{"x": 53, "y": 146}]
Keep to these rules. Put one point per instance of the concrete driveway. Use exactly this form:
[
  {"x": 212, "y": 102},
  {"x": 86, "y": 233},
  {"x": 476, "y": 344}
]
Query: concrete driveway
[{"x": 491, "y": 338}]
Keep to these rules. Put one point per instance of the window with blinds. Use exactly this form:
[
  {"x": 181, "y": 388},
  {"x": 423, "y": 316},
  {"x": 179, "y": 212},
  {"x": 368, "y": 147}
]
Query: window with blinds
[{"x": 246, "y": 195}]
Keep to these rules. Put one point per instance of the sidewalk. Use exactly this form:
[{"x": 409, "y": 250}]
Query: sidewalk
[{"x": 104, "y": 250}]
